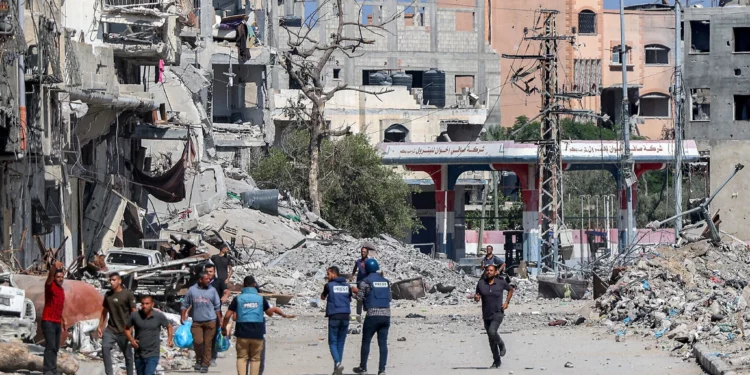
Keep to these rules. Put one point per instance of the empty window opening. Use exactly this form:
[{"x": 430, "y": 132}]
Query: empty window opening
[
  {"x": 464, "y": 82},
  {"x": 414, "y": 16},
  {"x": 416, "y": 77},
  {"x": 312, "y": 13},
  {"x": 586, "y": 22},
  {"x": 654, "y": 105},
  {"x": 395, "y": 133},
  {"x": 742, "y": 39},
  {"x": 293, "y": 84},
  {"x": 657, "y": 54},
  {"x": 336, "y": 73},
  {"x": 700, "y": 103},
  {"x": 368, "y": 15},
  {"x": 737, "y": 72},
  {"x": 366, "y": 76},
  {"x": 700, "y": 36},
  {"x": 464, "y": 21},
  {"x": 742, "y": 107},
  {"x": 616, "y": 59}
]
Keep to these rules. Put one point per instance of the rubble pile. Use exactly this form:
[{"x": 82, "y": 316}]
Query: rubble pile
[
  {"x": 302, "y": 271},
  {"x": 698, "y": 292}
]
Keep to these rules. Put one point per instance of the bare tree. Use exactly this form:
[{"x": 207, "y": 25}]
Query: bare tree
[{"x": 305, "y": 63}]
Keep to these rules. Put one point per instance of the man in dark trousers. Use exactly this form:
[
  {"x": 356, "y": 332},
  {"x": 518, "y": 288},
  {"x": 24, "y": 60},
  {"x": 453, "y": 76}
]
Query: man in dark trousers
[
  {"x": 338, "y": 295},
  {"x": 205, "y": 308},
  {"x": 53, "y": 322},
  {"x": 360, "y": 273},
  {"x": 223, "y": 290},
  {"x": 490, "y": 291},
  {"x": 375, "y": 292},
  {"x": 118, "y": 303},
  {"x": 146, "y": 339},
  {"x": 223, "y": 263},
  {"x": 248, "y": 307}
]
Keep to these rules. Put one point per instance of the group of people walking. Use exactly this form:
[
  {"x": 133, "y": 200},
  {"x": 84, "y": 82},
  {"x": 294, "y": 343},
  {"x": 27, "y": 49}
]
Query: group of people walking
[{"x": 137, "y": 332}]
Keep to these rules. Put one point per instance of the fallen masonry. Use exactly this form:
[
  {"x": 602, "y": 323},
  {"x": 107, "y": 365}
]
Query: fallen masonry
[{"x": 681, "y": 296}]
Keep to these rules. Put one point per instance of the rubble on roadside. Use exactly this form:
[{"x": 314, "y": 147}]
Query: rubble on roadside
[
  {"x": 694, "y": 293},
  {"x": 301, "y": 272}
]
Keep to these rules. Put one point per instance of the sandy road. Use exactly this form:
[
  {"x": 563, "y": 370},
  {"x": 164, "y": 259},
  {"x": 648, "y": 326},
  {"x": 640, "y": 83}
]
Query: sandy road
[{"x": 450, "y": 340}]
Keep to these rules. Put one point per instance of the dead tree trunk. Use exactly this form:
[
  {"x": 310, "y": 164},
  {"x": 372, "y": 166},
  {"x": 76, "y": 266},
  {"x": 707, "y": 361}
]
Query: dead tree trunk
[
  {"x": 15, "y": 356},
  {"x": 314, "y": 151}
]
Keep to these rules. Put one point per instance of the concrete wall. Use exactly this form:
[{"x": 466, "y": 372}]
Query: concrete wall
[
  {"x": 733, "y": 199},
  {"x": 716, "y": 71},
  {"x": 365, "y": 113},
  {"x": 429, "y": 40},
  {"x": 727, "y": 140}
]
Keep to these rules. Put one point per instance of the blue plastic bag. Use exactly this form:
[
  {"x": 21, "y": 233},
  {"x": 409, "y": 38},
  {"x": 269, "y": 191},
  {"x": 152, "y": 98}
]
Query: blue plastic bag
[
  {"x": 183, "y": 338},
  {"x": 222, "y": 343}
]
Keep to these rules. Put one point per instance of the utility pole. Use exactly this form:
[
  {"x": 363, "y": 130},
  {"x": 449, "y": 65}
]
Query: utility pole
[
  {"x": 549, "y": 147},
  {"x": 677, "y": 120},
  {"x": 626, "y": 166},
  {"x": 496, "y": 194},
  {"x": 550, "y": 160}
]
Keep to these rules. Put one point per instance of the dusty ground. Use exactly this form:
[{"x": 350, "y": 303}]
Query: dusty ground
[{"x": 450, "y": 340}]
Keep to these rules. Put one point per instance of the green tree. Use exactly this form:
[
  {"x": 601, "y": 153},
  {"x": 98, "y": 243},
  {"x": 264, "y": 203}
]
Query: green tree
[{"x": 358, "y": 193}]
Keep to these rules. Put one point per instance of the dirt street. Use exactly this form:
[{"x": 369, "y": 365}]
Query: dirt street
[{"x": 451, "y": 340}]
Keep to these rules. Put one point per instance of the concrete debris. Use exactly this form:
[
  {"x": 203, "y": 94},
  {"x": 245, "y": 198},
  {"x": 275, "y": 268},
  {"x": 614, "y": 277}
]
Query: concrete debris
[
  {"x": 16, "y": 356},
  {"x": 398, "y": 261},
  {"x": 694, "y": 293}
]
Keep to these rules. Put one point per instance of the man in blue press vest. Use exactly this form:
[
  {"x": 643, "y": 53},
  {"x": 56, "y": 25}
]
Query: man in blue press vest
[
  {"x": 248, "y": 307},
  {"x": 375, "y": 291},
  {"x": 338, "y": 311}
]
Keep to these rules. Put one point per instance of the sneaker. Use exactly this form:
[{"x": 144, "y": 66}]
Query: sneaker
[
  {"x": 197, "y": 367},
  {"x": 213, "y": 362},
  {"x": 359, "y": 370},
  {"x": 338, "y": 369},
  {"x": 204, "y": 370}
]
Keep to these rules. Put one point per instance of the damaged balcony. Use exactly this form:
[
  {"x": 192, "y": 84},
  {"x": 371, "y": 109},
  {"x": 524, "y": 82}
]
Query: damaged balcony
[{"x": 144, "y": 31}]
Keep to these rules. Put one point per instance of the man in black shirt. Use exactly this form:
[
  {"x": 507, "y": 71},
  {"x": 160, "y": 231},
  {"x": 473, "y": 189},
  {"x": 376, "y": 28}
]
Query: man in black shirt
[
  {"x": 490, "y": 290},
  {"x": 223, "y": 264},
  {"x": 223, "y": 290}
]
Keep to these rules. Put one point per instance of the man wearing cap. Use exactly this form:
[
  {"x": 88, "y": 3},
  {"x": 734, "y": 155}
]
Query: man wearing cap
[
  {"x": 359, "y": 271},
  {"x": 375, "y": 292}
]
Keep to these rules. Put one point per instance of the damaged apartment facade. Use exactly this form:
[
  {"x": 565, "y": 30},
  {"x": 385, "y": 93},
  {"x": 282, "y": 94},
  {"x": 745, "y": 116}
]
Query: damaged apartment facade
[
  {"x": 443, "y": 78},
  {"x": 591, "y": 66},
  {"x": 76, "y": 163},
  {"x": 717, "y": 101}
]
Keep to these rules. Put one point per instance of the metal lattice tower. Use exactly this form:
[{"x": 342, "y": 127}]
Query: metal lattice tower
[{"x": 550, "y": 161}]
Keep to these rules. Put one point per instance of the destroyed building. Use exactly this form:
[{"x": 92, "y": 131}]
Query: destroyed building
[
  {"x": 717, "y": 99},
  {"x": 73, "y": 154},
  {"x": 433, "y": 56}
]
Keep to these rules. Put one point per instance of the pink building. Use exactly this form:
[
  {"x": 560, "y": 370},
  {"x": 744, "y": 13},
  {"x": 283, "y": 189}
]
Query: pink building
[{"x": 592, "y": 64}]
